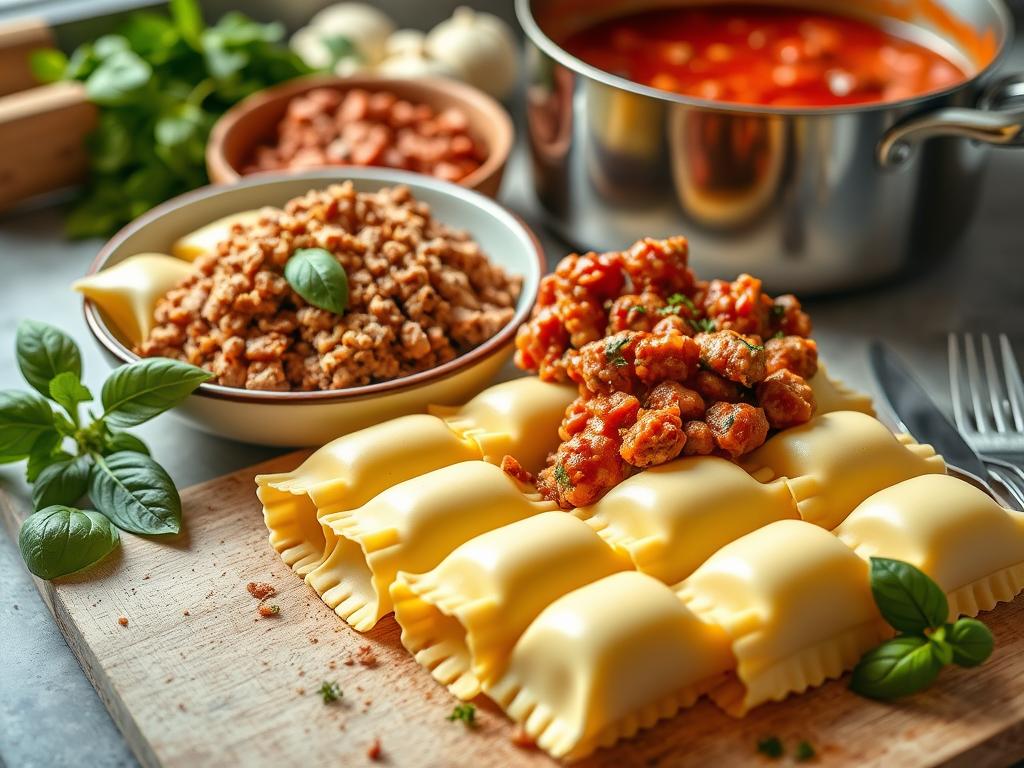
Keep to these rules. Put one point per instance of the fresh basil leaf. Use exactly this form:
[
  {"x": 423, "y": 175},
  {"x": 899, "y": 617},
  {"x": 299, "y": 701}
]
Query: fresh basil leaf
[
  {"x": 24, "y": 418},
  {"x": 972, "y": 642},
  {"x": 64, "y": 425},
  {"x": 135, "y": 493},
  {"x": 151, "y": 35},
  {"x": 317, "y": 277},
  {"x": 48, "y": 65},
  {"x": 67, "y": 391},
  {"x": 44, "y": 351},
  {"x": 899, "y": 667},
  {"x": 188, "y": 19},
  {"x": 44, "y": 453},
  {"x": 124, "y": 441},
  {"x": 110, "y": 45},
  {"x": 119, "y": 79},
  {"x": 64, "y": 482},
  {"x": 111, "y": 144},
  {"x": 60, "y": 540},
  {"x": 907, "y": 598},
  {"x": 136, "y": 393},
  {"x": 82, "y": 63}
]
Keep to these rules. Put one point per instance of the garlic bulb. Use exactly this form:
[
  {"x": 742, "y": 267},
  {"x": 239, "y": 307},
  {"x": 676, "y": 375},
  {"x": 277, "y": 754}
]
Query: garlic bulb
[
  {"x": 481, "y": 47},
  {"x": 365, "y": 27},
  {"x": 404, "y": 41},
  {"x": 413, "y": 64}
]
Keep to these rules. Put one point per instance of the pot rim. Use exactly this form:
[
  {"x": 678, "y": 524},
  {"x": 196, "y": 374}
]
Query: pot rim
[
  {"x": 524, "y": 13},
  {"x": 492, "y": 346}
]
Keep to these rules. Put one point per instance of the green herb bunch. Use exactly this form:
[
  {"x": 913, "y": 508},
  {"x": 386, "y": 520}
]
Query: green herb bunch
[
  {"x": 70, "y": 457},
  {"x": 916, "y": 607},
  {"x": 160, "y": 83}
]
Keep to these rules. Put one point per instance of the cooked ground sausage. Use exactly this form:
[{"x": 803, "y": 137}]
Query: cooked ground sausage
[
  {"x": 606, "y": 365},
  {"x": 656, "y": 437},
  {"x": 665, "y": 357},
  {"x": 789, "y": 318},
  {"x": 792, "y": 353},
  {"x": 420, "y": 294},
  {"x": 584, "y": 468},
  {"x": 739, "y": 306},
  {"x": 659, "y": 265},
  {"x": 700, "y": 440},
  {"x": 733, "y": 357},
  {"x": 787, "y": 399},
  {"x": 635, "y": 312},
  {"x": 672, "y": 394},
  {"x": 713, "y": 388},
  {"x": 738, "y": 428}
]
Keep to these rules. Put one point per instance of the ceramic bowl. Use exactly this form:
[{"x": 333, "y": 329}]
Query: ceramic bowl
[
  {"x": 254, "y": 121},
  {"x": 314, "y": 418}
]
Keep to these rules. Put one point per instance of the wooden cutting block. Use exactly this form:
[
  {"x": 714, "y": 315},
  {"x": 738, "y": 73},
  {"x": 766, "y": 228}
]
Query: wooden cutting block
[
  {"x": 17, "y": 41},
  {"x": 199, "y": 678}
]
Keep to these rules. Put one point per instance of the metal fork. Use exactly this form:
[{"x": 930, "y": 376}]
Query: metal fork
[{"x": 990, "y": 413}]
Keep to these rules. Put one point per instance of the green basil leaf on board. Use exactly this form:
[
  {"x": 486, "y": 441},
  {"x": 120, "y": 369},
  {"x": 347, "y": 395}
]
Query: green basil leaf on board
[
  {"x": 135, "y": 493},
  {"x": 135, "y": 393},
  {"x": 318, "y": 278},
  {"x": 48, "y": 65},
  {"x": 898, "y": 667},
  {"x": 63, "y": 482},
  {"x": 971, "y": 641},
  {"x": 58, "y": 540},
  {"x": 24, "y": 418},
  {"x": 124, "y": 441},
  {"x": 67, "y": 391},
  {"x": 907, "y": 598},
  {"x": 43, "y": 352}
]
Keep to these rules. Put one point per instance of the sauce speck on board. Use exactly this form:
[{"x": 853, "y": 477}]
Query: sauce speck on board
[{"x": 762, "y": 55}]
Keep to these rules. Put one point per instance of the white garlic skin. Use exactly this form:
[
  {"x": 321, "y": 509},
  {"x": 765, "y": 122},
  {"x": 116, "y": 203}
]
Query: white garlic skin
[
  {"x": 481, "y": 47},
  {"x": 416, "y": 65},
  {"x": 406, "y": 41},
  {"x": 367, "y": 28}
]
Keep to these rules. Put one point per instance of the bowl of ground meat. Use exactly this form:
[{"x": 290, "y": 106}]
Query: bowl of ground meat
[
  {"x": 667, "y": 365},
  {"x": 437, "y": 127},
  {"x": 439, "y": 277}
]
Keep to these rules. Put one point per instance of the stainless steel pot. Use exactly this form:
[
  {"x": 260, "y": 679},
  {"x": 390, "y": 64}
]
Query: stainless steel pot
[{"x": 811, "y": 201}]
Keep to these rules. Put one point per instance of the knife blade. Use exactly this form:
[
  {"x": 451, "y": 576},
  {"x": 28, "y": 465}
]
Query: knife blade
[{"x": 919, "y": 415}]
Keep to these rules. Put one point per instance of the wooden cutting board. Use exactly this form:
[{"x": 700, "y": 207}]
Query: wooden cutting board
[{"x": 199, "y": 678}]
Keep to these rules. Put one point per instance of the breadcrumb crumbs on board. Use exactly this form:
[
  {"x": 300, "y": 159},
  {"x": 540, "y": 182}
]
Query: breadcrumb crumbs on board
[
  {"x": 521, "y": 738},
  {"x": 186, "y": 613},
  {"x": 123, "y": 621},
  {"x": 374, "y": 751},
  {"x": 269, "y": 611},
  {"x": 366, "y": 656},
  {"x": 260, "y": 590}
]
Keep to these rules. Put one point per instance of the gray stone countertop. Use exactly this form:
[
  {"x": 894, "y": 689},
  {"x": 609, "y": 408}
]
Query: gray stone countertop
[{"x": 49, "y": 714}]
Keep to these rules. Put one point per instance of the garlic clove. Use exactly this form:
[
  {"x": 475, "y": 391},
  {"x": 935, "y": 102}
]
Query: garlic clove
[
  {"x": 481, "y": 46},
  {"x": 366, "y": 27}
]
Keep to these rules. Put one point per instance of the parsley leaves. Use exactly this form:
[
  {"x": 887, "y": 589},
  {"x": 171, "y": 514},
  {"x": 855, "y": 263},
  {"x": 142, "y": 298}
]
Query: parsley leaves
[
  {"x": 465, "y": 712},
  {"x": 562, "y": 477},
  {"x": 613, "y": 351},
  {"x": 330, "y": 691}
]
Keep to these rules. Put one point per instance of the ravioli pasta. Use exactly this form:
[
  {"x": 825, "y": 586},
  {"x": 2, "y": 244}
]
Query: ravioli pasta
[
  {"x": 606, "y": 660},
  {"x": 461, "y": 619},
  {"x": 518, "y": 418},
  {"x": 833, "y": 395},
  {"x": 796, "y": 604},
  {"x": 411, "y": 527},
  {"x": 669, "y": 519},
  {"x": 837, "y": 460},
  {"x": 347, "y": 473},
  {"x": 967, "y": 543}
]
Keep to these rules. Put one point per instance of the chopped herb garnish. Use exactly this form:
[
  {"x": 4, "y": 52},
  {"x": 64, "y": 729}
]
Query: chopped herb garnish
[
  {"x": 330, "y": 691},
  {"x": 613, "y": 351},
  {"x": 753, "y": 347},
  {"x": 804, "y": 752},
  {"x": 703, "y": 325},
  {"x": 562, "y": 477},
  {"x": 679, "y": 300},
  {"x": 640, "y": 310},
  {"x": 779, "y": 335},
  {"x": 274, "y": 609},
  {"x": 465, "y": 712},
  {"x": 729, "y": 421},
  {"x": 770, "y": 747},
  {"x": 670, "y": 310},
  {"x": 778, "y": 311}
]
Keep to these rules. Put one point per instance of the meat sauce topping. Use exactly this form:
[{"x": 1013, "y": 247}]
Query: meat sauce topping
[
  {"x": 667, "y": 365},
  {"x": 765, "y": 56}
]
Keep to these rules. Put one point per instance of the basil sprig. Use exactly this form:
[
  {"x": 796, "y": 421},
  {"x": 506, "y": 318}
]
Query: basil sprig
[
  {"x": 318, "y": 278},
  {"x": 70, "y": 457},
  {"x": 915, "y": 606}
]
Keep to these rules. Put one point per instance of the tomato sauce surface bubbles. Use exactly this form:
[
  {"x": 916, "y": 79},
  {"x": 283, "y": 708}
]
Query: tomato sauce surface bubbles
[{"x": 762, "y": 55}]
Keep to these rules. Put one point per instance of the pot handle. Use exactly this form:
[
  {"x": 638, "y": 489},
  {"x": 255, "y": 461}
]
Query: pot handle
[{"x": 998, "y": 120}]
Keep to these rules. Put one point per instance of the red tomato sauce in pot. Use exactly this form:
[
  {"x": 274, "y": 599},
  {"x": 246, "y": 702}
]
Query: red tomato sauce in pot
[{"x": 761, "y": 55}]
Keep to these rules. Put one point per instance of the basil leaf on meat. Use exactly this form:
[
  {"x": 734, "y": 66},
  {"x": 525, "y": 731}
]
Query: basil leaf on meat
[
  {"x": 318, "y": 278},
  {"x": 63, "y": 482},
  {"x": 60, "y": 540},
  {"x": 136, "y": 493},
  {"x": 907, "y": 598},
  {"x": 43, "y": 352},
  {"x": 136, "y": 393}
]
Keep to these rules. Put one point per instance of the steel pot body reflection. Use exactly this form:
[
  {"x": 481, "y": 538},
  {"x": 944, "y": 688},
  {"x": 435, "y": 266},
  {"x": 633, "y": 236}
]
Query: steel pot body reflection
[{"x": 809, "y": 200}]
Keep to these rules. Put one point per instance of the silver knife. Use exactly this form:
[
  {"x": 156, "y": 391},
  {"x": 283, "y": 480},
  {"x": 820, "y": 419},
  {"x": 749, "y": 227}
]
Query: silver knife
[{"x": 918, "y": 415}]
